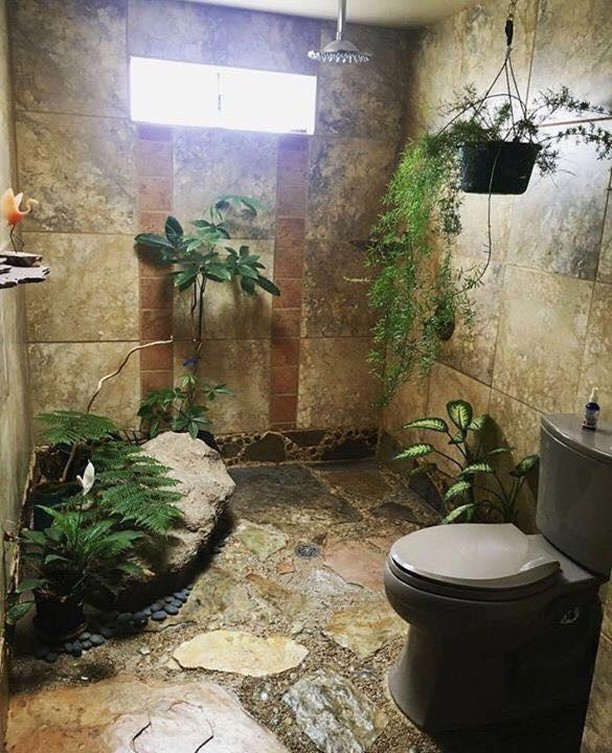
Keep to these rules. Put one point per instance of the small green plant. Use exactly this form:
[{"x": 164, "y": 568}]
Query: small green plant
[
  {"x": 179, "y": 408},
  {"x": 467, "y": 498},
  {"x": 198, "y": 258}
]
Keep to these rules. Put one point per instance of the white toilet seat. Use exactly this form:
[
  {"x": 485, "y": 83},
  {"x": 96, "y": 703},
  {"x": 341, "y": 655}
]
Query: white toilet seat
[{"x": 469, "y": 556}]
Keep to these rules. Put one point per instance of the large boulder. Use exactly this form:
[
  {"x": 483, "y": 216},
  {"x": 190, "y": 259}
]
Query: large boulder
[{"x": 206, "y": 487}]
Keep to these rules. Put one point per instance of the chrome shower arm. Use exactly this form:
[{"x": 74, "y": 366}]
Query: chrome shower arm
[{"x": 341, "y": 19}]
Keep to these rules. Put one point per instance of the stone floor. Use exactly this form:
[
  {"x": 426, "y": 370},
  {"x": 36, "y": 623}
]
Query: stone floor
[{"x": 283, "y": 645}]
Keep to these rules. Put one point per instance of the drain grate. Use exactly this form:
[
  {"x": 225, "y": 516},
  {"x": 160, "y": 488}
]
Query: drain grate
[{"x": 308, "y": 551}]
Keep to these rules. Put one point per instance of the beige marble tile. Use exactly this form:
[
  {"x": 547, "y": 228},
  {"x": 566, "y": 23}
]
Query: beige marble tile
[
  {"x": 212, "y": 162},
  {"x": 471, "y": 349},
  {"x": 368, "y": 100},
  {"x": 244, "y": 365},
  {"x": 70, "y": 58},
  {"x": 199, "y": 32},
  {"x": 271, "y": 41},
  {"x": 604, "y": 272},
  {"x": 597, "y": 362},
  {"x": 347, "y": 179},
  {"x": 408, "y": 404},
  {"x": 336, "y": 385},
  {"x": 64, "y": 376},
  {"x": 541, "y": 338},
  {"x": 573, "y": 47},
  {"x": 598, "y": 726},
  {"x": 473, "y": 242},
  {"x": 230, "y": 313},
  {"x": 91, "y": 293},
  {"x": 335, "y": 290},
  {"x": 81, "y": 170},
  {"x": 556, "y": 225},
  {"x": 483, "y": 42}
]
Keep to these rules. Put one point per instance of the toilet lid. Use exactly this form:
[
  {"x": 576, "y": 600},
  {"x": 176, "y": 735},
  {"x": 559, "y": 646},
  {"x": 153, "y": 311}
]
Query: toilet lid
[{"x": 474, "y": 555}]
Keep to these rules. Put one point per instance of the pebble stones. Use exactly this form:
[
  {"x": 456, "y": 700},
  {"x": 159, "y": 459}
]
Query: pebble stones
[{"x": 159, "y": 615}]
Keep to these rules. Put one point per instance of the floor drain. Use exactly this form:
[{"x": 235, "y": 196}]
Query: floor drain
[{"x": 307, "y": 551}]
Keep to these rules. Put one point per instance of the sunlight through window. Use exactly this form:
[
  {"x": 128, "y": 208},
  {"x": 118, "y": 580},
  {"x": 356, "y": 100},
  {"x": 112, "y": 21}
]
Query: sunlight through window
[{"x": 189, "y": 94}]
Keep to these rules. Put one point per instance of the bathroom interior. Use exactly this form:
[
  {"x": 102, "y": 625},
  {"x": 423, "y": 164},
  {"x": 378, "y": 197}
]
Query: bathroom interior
[{"x": 324, "y": 550}]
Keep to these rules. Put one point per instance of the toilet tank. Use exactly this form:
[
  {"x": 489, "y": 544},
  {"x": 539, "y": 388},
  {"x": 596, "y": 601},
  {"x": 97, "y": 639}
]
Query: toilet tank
[{"x": 575, "y": 490}]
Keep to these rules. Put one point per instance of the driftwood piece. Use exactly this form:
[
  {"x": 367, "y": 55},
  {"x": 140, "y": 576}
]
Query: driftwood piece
[
  {"x": 20, "y": 258},
  {"x": 22, "y": 275}
]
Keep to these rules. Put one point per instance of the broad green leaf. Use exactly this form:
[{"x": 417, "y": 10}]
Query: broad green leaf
[
  {"x": 468, "y": 510},
  {"x": 154, "y": 240},
  {"x": 499, "y": 451},
  {"x": 479, "y": 423},
  {"x": 33, "y": 537},
  {"x": 460, "y": 413},
  {"x": 15, "y": 613},
  {"x": 29, "y": 585},
  {"x": 422, "y": 468},
  {"x": 246, "y": 271},
  {"x": 479, "y": 467},
  {"x": 51, "y": 558},
  {"x": 524, "y": 466},
  {"x": 457, "y": 489},
  {"x": 415, "y": 451},
  {"x": 459, "y": 438},
  {"x": 173, "y": 229},
  {"x": 434, "y": 424},
  {"x": 247, "y": 285},
  {"x": 267, "y": 285}
]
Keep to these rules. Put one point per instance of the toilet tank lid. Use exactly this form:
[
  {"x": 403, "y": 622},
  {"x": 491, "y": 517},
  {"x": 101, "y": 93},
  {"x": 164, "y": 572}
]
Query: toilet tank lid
[{"x": 567, "y": 429}]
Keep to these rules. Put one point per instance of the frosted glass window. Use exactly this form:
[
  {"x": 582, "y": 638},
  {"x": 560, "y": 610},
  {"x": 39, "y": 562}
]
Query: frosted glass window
[{"x": 189, "y": 94}]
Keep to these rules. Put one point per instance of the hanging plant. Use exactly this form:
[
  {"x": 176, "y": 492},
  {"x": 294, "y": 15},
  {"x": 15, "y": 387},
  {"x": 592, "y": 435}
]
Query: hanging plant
[{"x": 489, "y": 145}]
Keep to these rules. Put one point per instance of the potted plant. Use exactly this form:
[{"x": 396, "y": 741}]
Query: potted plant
[
  {"x": 476, "y": 463},
  {"x": 415, "y": 291},
  {"x": 84, "y": 545},
  {"x": 198, "y": 258}
]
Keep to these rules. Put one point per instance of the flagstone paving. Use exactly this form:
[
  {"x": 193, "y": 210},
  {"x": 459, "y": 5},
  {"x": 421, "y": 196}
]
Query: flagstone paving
[{"x": 300, "y": 572}]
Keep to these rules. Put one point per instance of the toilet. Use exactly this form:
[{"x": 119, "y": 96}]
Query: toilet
[{"x": 504, "y": 624}]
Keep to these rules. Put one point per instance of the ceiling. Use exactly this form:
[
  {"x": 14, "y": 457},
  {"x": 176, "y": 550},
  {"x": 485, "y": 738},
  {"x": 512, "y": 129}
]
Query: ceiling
[{"x": 398, "y": 13}]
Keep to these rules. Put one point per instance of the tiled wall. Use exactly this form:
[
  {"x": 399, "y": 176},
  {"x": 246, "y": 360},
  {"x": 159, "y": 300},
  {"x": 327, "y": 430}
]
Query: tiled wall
[
  {"x": 543, "y": 327},
  {"x": 598, "y": 728},
  {"x": 15, "y": 441},
  {"x": 299, "y": 361}
]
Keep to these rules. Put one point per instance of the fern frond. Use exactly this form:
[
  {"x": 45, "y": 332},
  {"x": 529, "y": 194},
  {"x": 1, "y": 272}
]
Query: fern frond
[{"x": 68, "y": 427}]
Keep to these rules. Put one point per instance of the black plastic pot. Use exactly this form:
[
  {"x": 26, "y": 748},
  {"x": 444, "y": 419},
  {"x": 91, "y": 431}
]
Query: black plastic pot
[
  {"x": 497, "y": 167},
  {"x": 59, "y": 617},
  {"x": 209, "y": 438},
  {"x": 49, "y": 494}
]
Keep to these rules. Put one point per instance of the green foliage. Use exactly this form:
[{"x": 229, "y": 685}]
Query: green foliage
[
  {"x": 496, "y": 499},
  {"x": 67, "y": 427},
  {"x": 178, "y": 408},
  {"x": 198, "y": 258},
  {"x": 417, "y": 297},
  {"x": 416, "y": 293}
]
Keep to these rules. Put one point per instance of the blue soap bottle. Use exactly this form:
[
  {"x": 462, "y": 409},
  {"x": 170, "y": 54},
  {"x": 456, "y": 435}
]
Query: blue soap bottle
[{"x": 591, "y": 411}]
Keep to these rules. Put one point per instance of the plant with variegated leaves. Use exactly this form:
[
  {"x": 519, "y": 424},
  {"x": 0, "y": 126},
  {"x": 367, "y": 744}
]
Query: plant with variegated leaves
[{"x": 480, "y": 490}]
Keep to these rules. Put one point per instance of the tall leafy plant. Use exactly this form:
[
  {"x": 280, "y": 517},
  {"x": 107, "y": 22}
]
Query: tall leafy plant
[
  {"x": 480, "y": 490},
  {"x": 199, "y": 257}
]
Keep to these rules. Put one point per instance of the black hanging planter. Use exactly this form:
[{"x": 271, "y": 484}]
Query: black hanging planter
[
  {"x": 497, "y": 167},
  {"x": 59, "y": 617}
]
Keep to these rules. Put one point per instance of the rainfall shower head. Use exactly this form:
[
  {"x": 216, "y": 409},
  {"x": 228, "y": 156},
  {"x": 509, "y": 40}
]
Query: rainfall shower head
[{"x": 340, "y": 50}]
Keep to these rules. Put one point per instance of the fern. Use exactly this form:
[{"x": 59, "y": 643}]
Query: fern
[
  {"x": 134, "y": 488},
  {"x": 69, "y": 427}
]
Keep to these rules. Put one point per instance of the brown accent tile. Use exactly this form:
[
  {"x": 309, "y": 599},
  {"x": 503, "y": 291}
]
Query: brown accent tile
[
  {"x": 157, "y": 358},
  {"x": 286, "y": 323},
  {"x": 285, "y": 380},
  {"x": 156, "y": 293},
  {"x": 291, "y": 198},
  {"x": 291, "y": 294},
  {"x": 282, "y": 426},
  {"x": 154, "y": 133},
  {"x": 155, "y": 193},
  {"x": 290, "y": 234},
  {"x": 154, "y": 380},
  {"x": 283, "y": 408},
  {"x": 293, "y": 142},
  {"x": 151, "y": 222},
  {"x": 155, "y": 324},
  {"x": 285, "y": 352},
  {"x": 154, "y": 158},
  {"x": 292, "y": 167}
]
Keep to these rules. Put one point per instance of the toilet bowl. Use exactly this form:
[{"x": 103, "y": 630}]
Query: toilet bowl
[{"x": 501, "y": 623}]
